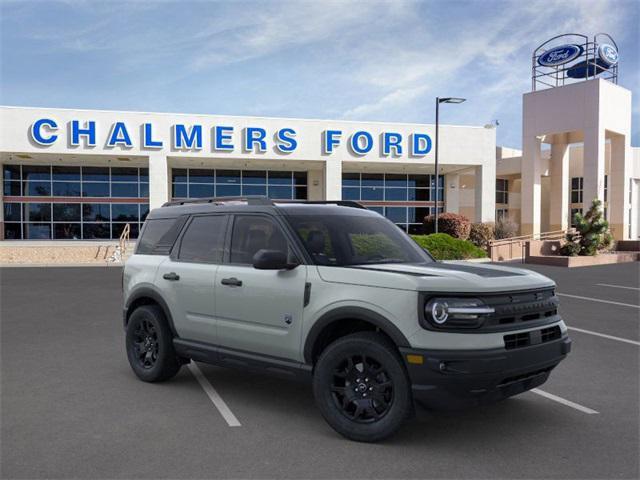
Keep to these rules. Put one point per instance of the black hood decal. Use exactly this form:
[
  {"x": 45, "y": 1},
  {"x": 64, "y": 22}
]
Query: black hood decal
[{"x": 480, "y": 271}]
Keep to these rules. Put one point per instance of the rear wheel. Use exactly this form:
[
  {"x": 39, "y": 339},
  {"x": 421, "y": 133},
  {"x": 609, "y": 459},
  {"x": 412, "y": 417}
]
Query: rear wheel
[
  {"x": 361, "y": 387},
  {"x": 149, "y": 344}
]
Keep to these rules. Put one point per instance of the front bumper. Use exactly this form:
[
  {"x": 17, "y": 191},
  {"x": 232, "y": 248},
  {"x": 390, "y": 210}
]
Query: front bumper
[{"x": 449, "y": 379}]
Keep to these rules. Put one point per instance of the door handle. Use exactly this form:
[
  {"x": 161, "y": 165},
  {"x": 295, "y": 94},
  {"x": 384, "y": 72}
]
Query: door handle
[
  {"x": 231, "y": 282},
  {"x": 173, "y": 276}
]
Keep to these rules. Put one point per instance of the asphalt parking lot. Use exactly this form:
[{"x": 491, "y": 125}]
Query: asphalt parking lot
[{"x": 71, "y": 407}]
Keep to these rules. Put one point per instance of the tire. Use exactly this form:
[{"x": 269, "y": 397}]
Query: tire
[
  {"x": 368, "y": 400},
  {"x": 149, "y": 344}
]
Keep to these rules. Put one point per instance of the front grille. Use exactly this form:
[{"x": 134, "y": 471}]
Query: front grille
[
  {"x": 521, "y": 307},
  {"x": 535, "y": 337}
]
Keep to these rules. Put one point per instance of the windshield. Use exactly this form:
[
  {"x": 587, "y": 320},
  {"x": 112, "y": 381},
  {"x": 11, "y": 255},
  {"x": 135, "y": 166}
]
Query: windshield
[{"x": 346, "y": 240}]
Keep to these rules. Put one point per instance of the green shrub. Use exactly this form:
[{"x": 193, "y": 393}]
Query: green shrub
[
  {"x": 458, "y": 226},
  {"x": 592, "y": 233},
  {"x": 445, "y": 247},
  {"x": 481, "y": 234}
]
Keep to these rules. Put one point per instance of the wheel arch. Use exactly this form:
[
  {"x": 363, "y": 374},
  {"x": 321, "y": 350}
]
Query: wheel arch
[
  {"x": 329, "y": 321},
  {"x": 148, "y": 296}
]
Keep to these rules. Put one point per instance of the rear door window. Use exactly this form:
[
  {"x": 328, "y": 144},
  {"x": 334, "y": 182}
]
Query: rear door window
[{"x": 203, "y": 241}]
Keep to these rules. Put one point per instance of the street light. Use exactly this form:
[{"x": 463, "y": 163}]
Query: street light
[{"x": 438, "y": 102}]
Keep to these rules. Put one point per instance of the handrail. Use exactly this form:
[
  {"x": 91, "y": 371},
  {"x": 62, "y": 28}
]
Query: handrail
[
  {"x": 124, "y": 238},
  {"x": 538, "y": 236}
]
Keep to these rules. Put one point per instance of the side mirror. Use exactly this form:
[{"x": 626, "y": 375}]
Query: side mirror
[{"x": 272, "y": 260}]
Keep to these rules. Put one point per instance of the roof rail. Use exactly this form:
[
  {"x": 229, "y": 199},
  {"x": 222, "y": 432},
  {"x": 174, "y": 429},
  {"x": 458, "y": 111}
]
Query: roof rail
[
  {"x": 250, "y": 199},
  {"x": 341, "y": 203},
  {"x": 260, "y": 200}
]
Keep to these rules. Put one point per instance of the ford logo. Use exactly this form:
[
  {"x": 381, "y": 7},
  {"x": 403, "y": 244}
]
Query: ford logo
[
  {"x": 608, "y": 54},
  {"x": 560, "y": 55}
]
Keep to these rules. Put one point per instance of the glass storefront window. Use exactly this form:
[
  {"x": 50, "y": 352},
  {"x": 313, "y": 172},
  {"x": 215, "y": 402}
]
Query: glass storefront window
[
  {"x": 66, "y": 173},
  {"x": 73, "y": 218},
  {"x": 66, "y": 212},
  {"x": 93, "y": 189},
  {"x": 198, "y": 183},
  {"x": 96, "y": 212},
  {"x": 392, "y": 187},
  {"x": 129, "y": 190},
  {"x": 37, "y": 189}
]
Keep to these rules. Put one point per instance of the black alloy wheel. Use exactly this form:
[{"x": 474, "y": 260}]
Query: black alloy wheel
[
  {"x": 362, "y": 389},
  {"x": 149, "y": 344},
  {"x": 146, "y": 344}
]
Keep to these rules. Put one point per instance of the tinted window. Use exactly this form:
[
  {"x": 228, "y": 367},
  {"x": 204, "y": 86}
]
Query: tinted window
[
  {"x": 253, "y": 233},
  {"x": 342, "y": 240},
  {"x": 158, "y": 232},
  {"x": 204, "y": 239}
]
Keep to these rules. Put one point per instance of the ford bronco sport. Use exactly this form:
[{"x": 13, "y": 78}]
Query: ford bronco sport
[{"x": 336, "y": 293}]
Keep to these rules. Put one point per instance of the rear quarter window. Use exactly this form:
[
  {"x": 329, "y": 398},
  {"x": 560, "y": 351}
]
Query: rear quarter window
[{"x": 159, "y": 235}]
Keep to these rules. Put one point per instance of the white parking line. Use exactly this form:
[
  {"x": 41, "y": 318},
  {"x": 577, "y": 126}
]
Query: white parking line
[
  {"x": 616, "y": 286},
  {"x": 610, "y": 337},
  {"x": 564, "y": 401},
  {"x": 599, "y": 300},
  {"x": 214, "y": 396}
]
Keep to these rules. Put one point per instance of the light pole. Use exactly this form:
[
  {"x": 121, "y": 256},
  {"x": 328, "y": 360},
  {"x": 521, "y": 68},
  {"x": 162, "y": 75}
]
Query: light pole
[{"x": 438, "y": 102}]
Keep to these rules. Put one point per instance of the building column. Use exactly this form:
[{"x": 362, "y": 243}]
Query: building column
[
  {"x": 559, "y": 201},
  {"x": 618, "y": 190},
  {"x": 333, "y": 179},
  {"x": 531, "y": 187},
  {"x": 452, "y": 193},
  {"x": 485, "y": 192},
  {"x": 593, "y": 166},
  {"x": 158, "y": 180}
]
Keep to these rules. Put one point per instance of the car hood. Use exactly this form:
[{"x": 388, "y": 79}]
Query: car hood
[{"x": 438, "y": 277}]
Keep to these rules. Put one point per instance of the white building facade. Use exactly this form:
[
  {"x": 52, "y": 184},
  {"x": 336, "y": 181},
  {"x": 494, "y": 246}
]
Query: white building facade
[{"x": 84, "y": 174}]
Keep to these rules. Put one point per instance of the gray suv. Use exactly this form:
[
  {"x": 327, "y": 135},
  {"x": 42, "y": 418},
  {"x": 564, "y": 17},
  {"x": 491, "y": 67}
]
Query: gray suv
[{"x": 339, "y": 295}]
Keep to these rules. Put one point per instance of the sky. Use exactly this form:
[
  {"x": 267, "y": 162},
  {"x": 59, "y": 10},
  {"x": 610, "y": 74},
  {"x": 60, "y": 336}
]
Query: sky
[{"x": 345, "y": 60}]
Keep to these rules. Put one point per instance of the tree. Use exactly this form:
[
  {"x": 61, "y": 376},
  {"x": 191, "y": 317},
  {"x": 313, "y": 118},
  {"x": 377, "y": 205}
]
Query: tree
[{"x": 591, "y": 235}]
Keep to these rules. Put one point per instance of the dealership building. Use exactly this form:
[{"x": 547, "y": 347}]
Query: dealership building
[{"x": 85, "y": 174}]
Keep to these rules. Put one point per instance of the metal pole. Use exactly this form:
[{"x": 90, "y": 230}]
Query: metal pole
[{"x": 436, "y": 153}]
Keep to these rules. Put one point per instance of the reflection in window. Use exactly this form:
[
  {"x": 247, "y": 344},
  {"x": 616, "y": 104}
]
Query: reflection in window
[
  {"x": 199, "y": 183},
  {"x": 72, "y": 219}
]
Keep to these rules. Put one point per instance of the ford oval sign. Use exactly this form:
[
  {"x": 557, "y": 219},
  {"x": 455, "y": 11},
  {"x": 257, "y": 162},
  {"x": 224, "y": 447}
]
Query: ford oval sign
[
  {"x": 608, "y": 54},
  {"x": 560, "y": 55}
]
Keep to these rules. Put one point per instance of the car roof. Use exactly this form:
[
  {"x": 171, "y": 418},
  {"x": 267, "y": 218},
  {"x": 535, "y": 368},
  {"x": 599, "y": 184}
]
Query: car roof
[{"x": 257, "y": 205}]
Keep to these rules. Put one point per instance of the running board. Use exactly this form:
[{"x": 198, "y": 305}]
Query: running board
[{"x": 225, "y": 357}]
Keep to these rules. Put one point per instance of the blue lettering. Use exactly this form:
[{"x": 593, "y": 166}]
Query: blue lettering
[
  {"x": 421, "y": 144},
  {"x": 37, "y": 134},
  {"x": 222, "y": 136},
  {"x": 119, "y": 136},
  {"x": 89, "y": 131},
  {"x": 330, "y": 140},
  {"x": 253, "y": 136},
  {"x": 286, "y": 141},
  {"x": 392, "y": 140},
  {"x": 186, "y": 139},
  {"x": 356, "y": 145},
  {"x": 147, "y": 138}
]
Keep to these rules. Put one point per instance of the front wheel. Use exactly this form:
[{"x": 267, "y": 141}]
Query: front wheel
[
  {"x": 361, "y": 387},
  {"x": 149, "y": 344}
]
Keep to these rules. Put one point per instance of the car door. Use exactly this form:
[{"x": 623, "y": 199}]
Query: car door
[
  {"x": 187, "y": 278},
  {"x": 259, "y": 311}
]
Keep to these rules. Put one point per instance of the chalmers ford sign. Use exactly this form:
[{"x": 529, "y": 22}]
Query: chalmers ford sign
[{"x": 220, "y": 138}]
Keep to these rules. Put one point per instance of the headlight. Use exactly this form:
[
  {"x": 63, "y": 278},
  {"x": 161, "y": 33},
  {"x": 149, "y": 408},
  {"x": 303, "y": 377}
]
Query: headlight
[{"x": 456, "y": 312}]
